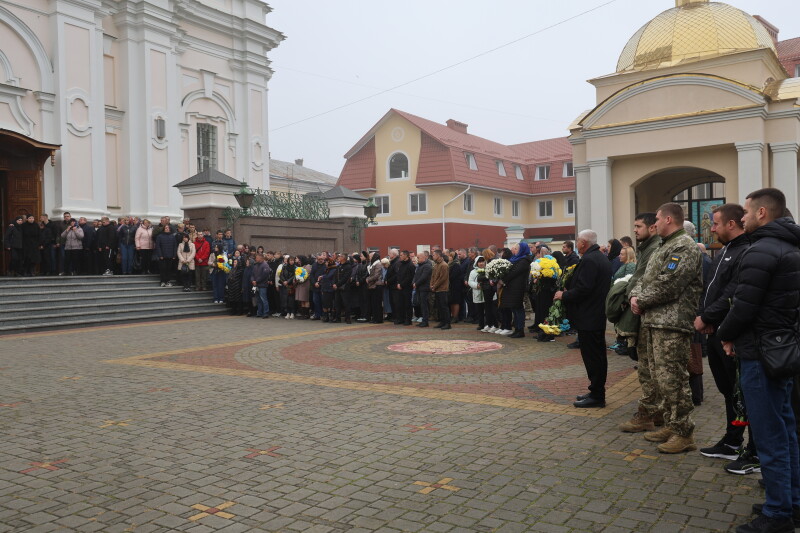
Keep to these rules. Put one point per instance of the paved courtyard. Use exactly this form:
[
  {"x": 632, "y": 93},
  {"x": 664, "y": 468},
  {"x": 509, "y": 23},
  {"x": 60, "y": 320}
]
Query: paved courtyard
[{"x": 235, "y": 424}]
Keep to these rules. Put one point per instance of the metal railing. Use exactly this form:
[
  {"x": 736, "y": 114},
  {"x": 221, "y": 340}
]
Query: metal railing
[{"x": 276, "y": 204}]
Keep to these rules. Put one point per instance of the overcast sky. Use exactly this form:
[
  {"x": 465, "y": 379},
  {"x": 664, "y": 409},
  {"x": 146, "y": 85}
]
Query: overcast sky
[{"x": 338, "y": 52}]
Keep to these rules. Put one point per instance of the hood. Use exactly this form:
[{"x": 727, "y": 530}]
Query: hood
[{"x": 782, "y": 228}]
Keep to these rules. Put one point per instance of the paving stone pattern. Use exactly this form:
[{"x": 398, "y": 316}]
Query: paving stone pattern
[{"x": 235, "y": 424}]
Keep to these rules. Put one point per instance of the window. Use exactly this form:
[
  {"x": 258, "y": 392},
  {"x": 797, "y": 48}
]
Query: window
[
  {"x": 569, "y": 207},
  {"x": 498, "y": 206},
  {"x": 501, "y": 168},
  {"x": 398, "y": 166},
  {"x": 469, "y": 203},
  {"x": 471, "y": 161},
  {"x": 515, "y": 208},
  {"x": 797, "y": 71},
  {"x": 546, "y": 209},
  {"x": 206, "y": 147},
  {"x": 543, "y": 172},
  {"x": 418, "y": 202},
  {"x": 518, "y": 172},
  {"x": 383, "y": 204},
  {"x": 568, "y": 170}
]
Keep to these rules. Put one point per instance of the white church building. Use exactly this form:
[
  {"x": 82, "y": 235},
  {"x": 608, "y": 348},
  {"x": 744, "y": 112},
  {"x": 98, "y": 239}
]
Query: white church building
[{"x": 106, "y": 104}]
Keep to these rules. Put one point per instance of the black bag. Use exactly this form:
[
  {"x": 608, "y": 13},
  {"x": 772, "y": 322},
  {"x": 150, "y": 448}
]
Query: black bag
[
  {"x": 185, "y": 269},
  {"x": 137, "y": 261},
  {"x": 779, "y": 353}
]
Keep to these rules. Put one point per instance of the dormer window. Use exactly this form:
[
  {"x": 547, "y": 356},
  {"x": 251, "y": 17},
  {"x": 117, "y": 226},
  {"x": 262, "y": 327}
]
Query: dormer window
[
  {"x": 398, "y": 166},
  {"x": 501, "y": 168},
  {"x": 568, "y": 170},
  {"x": 471, "y": 161},
  {"x": 542, "y": 172},
  {"x": 518, "y": 172}
]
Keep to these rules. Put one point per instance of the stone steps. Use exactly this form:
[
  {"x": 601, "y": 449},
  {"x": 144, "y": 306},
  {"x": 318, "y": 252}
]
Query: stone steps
[{"x": 41, "y": 303}]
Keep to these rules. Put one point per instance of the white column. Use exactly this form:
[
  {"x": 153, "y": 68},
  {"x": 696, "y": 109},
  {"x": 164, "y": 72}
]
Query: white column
[
  {"x": 750, "y": 168},
  {"x": 583, "y": 198},
  {"x": 784, "y": 172},
  {"x": 601, "y": 200}
]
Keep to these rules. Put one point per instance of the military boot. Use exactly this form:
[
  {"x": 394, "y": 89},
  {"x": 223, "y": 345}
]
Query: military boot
[
  {"x": 658, "y": 419},
  {"x": 678, "y": 444},
  {"x": 641, "y": 421},
  {"x": 661, "y": 435}
]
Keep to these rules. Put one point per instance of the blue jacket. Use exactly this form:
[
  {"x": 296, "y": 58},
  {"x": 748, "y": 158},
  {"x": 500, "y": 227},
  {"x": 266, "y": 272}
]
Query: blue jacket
[
  {"x": 166, "y": 246},
  {"x": 230, "y": 246}
]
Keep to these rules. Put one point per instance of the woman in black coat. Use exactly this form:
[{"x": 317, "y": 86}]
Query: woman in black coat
[
  {"x": 233, "y": 288},
  {"x": 516, "y": 286},
  {"x": 455, "y": 294},
  {"x": 166, "y": 250},
  {"x": 31, "y": 245}
]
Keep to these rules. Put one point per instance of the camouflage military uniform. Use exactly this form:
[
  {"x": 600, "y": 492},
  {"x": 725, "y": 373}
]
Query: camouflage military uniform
[
  {"x": 668, "y": 295},
  {"x": 651, "y": 400}
]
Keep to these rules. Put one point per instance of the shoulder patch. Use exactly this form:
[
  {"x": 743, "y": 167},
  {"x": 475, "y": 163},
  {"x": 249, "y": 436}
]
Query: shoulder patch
[{"x": 673, "y": 262}]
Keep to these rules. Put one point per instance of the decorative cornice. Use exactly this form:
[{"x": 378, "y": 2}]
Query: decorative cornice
[
  {"x": 492, "y": 189},
  {"x": 595, "y": 163},
  {"x": 784, "y": 147},
  {"x": 750, "y": 146}
]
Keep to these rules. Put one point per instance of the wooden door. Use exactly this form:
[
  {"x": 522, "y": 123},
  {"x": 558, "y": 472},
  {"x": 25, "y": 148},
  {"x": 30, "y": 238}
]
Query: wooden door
[{"x": 23, "y": 193}]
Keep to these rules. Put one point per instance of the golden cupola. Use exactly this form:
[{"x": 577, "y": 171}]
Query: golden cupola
[{"x": 691, "y": 31}]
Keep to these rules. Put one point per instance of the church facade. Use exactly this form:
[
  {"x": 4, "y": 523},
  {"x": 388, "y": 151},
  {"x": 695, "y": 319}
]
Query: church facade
[
  {"x": 106, "y": 104},
  {"x": 703, "y": 108}
]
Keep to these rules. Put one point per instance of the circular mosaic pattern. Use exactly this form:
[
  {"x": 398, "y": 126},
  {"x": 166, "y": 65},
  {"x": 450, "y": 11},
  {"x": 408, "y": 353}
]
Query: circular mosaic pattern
[{"x": 445, "y": 347}]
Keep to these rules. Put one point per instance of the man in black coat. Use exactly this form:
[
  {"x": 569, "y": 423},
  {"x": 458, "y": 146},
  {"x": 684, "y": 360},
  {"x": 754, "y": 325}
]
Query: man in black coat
[
  {"x": 341, "y": 287},
  {"x": 317, "y": 271},
  {"x": 585, "y": 298},
  {"x": 422, "y": 284},
  {"x": 766, "y": 303},
  {"x": 405, "y": 281},
  {"x": 570, "y": 257},
  {"x": 106, "y": 244},
  {"x": 714, "y": 306},
  {"x": 13, "y": 243},
  {"x": 391, "y": 283}
]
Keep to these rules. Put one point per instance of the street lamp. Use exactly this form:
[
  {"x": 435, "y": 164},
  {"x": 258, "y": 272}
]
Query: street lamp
[
  {"x": 244, "y": 197},
  {"x": 370, "y": 211}
]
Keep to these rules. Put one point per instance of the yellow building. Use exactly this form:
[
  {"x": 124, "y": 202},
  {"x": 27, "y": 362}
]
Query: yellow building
[
  {"x": 700, "y": 110},
  {"x": 436, "y": 184}
]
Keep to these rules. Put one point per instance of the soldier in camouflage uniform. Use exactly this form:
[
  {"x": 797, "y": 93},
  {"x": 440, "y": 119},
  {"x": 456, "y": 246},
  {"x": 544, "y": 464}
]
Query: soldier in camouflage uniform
[
  {"x": 666, "y": 298},
  {"x": 648, "y": 414}
]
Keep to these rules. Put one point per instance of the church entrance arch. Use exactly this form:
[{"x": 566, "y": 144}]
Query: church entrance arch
[
  {"x": 22, "y": 161},
  {"x": 699, "y": 191}
]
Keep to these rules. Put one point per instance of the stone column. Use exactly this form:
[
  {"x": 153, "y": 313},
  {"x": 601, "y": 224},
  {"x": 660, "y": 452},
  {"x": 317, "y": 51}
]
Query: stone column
[
  {"x": 600, "y": 190},
  {"x": 583, "y": 198},
  {"x": 750, "y": 168},
  {"x": 784, "y": 172}
]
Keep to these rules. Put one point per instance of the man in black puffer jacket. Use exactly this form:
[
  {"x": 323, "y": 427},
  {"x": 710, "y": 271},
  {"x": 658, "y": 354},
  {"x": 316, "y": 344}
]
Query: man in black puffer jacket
[{"x": 767, "y": 298}]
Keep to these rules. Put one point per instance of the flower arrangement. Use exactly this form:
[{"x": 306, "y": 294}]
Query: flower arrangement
[
  {"x": 547, "y": 267},
  {"x": 556, "y": 321},
  {"x": 222, "y": 263},
  {"x": 300, "y": 274},
  {"x": 498, "y": 268}
]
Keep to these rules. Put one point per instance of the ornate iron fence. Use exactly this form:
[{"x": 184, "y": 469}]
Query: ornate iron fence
[{"x": 275, "y": 204}]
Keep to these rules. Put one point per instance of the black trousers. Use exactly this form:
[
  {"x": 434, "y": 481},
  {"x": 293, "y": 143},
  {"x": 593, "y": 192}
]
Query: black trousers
[
  {"x": 342, "y": 303},
  {"x": 593, "y": 352},
  {"x": 480, "y": 314},
  {"x": 405, "y": 311},
  {"x": 376, "y": 304},
  {"x": 394, "y": 298},
  {"x": 444, "y": 310},
  {"x": 723, "y": 368},
  {"x": 16, "y": 261},
  {"x": 165, "y": 269},
  {"x": 422, "y": 296},
  {"x": 365, "y": 302},
  {"x": 327, "y": 301}
]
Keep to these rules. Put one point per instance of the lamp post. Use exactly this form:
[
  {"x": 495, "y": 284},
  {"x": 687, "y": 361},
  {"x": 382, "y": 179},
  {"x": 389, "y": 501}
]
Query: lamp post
[
  {"x": 370, "y": 212},
  {"x": 245, "y": 197}
]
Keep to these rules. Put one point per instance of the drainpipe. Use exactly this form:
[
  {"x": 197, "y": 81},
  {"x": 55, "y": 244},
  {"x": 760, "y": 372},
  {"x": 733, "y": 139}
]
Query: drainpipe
[{"x": 453, "y": 199}]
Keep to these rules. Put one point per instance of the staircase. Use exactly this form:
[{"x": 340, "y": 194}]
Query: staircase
[{"x": 39, "y": 303}]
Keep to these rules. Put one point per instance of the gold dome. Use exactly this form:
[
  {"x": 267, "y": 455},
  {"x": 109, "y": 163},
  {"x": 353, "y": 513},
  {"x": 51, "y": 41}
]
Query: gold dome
[{"x": 696, "y": 29}]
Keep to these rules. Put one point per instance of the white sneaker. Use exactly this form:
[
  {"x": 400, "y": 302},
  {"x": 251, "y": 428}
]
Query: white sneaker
[
  {"x": 276, "y": 315},
  {"x": 485, "y": 329},
  {"x": 501, "y": 331},
  {"x": 169, "y": 284},
  {"x": 163, "y": 284},
  {"x": 490, "y": 329},
  {"x": 291, "y": 317},
  {"x": 507, "y": 332}
]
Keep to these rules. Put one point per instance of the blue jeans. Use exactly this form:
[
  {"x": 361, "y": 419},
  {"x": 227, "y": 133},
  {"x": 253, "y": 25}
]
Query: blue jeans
[
  {"x": 519, "y": 319},
  {"x": 769, "y": 410},
  {"x": 263, "y": 303},
  {"x": 316, "y": 300},
  {"x": 218, "y": 279},
  {"x": 127, "y": 251}
]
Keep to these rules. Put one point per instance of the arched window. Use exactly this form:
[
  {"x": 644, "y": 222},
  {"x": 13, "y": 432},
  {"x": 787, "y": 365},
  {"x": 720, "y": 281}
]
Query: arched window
[{"x": 398, "y": 166}]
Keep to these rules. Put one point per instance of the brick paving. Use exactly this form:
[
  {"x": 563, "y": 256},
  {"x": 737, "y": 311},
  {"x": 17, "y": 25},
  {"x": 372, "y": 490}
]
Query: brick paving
[{"x": 235, "y": 424}]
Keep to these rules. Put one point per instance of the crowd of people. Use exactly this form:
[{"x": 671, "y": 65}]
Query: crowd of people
[{"x": 670, "y": 305}]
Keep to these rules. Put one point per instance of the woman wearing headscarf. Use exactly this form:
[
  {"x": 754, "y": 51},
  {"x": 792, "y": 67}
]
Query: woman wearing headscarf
[{"x": 515, "y": 285}]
